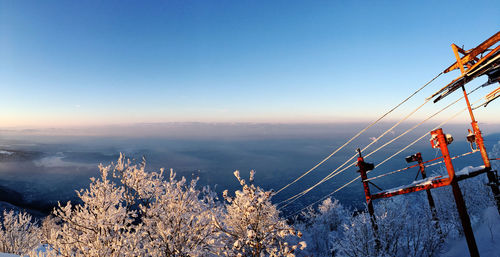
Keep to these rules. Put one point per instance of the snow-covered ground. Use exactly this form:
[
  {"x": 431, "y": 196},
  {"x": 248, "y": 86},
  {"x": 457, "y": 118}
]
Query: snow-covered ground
[{"x": 487, "y": 235}]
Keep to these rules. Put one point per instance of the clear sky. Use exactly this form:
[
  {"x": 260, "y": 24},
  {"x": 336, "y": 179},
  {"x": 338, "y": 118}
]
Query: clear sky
[{"x": 67, "y": 63}]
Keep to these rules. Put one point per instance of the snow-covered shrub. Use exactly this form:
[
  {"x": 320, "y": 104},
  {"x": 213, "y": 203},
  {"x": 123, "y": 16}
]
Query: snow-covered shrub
[
  {"x": 18, "y": 234},
  {"x": 134, "y": 213},
  {"x": 179, "y": 222},
  {"x": 321, "y": 228},
  {"x": 101, "y": 226},
  {"x": 251, "y": 224},
  {"x": 477, "y": 196},
  {"x": 405, "y": 228}
]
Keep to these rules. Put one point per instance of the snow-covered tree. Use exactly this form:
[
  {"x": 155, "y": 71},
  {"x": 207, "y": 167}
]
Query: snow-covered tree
[
  {"x": 131, "y": 212},
  {"x": 101, "y": 226},
  {"x": 322, "y": 227},
  {"x": 18, "y": 234},
  {"x": 134, "y": 213},
  {"x": 477, "y": 196},
  {"x": 179, "y": 222},
  {"x": 405, "y": 228},
  {"x": 251, "y": 224}
]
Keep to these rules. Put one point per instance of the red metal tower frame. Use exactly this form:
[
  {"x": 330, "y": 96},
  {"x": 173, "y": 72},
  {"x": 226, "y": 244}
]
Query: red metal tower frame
[{"x": 471, "y": 66}]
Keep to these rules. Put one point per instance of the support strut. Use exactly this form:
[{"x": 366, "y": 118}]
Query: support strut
[
  {"x": 430, "y": 199},
  {"x": 492, "y": 181},
  {"x": 363, "y": 168},
  {"x": 457, "y": 194}
]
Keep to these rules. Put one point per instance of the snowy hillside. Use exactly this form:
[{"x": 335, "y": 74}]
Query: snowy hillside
[{"x": 487, "y": 235}]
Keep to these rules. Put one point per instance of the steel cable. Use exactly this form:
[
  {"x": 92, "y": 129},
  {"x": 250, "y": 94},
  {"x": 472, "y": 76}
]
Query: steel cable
[
  {"x": 357, "y": 135},
  {"x": 334, "y": 173},
  {"x": 398, "y": 152}
]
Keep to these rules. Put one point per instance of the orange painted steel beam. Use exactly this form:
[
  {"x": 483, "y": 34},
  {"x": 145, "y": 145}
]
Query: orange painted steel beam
[
  {"x": 480, "y": 144},
  {"x": 492, "y": 52},
  {"x": 462, "y": 51},
  {"x": 451, "y": 180},
  {"x": 475, "y": 127},
  {"x": 457, "y": 56},
  {"x": 461, "y": 78},
  {"x": 469, "y": 64},
  {"x": 434, "y": 183},
  {"x": 471, "y": 54},
  {"x": 363, "y": 169}
]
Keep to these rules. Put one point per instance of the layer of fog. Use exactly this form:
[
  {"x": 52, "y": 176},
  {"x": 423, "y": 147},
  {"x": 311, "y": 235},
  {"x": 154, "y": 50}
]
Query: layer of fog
[{"x": 62, "y": 160}]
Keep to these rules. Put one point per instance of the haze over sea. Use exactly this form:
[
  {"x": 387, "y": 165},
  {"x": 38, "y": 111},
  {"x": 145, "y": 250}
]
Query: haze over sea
[{"x": 48, "y": 165}]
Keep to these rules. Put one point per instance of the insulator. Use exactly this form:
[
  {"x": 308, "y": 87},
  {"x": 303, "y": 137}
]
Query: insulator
[
  {"x": 365, "y": 166},
  {"x": 449, "y": 139},
  {"x": 471, "y": 138},
  {"x": 411, "y": 158}
]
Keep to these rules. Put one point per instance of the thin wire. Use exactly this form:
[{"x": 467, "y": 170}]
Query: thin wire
[
  {"x": 358, "y": 134},
  {"x": 324, "y": 197},
  {"x": 356, "y": 178},
  {"x": 422, "y": 122},
  {"x": 400, "y": 170},
  {"x": 306, "y": 191},
  {"x": 447, "y": 87},
  {"x": 441, "y": 124},
  {"x": 390, "y": 129},
  {"x": 297, "y": 196},
  {"x": 453, "y": 158},
  {"x": 334, "y": 173},
  {"x": 414, "y": 127},
  {"x": 413, "y": 166},
  {"x": 483, "y": 104},
  {"x": 350, "y": 182},
  {"x": 426, "y": 134}
]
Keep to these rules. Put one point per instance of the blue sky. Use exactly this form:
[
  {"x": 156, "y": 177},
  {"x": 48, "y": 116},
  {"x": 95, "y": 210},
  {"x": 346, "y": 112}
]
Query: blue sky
[{"x": 73, "y": 63}]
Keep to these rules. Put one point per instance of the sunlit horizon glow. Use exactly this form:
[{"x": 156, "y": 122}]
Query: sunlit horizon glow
[{"x": 100, "y": 63}]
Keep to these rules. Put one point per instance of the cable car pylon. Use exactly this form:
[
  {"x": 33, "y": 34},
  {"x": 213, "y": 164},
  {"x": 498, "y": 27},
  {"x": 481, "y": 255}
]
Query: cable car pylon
[{"x": 471, "y": 67}]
